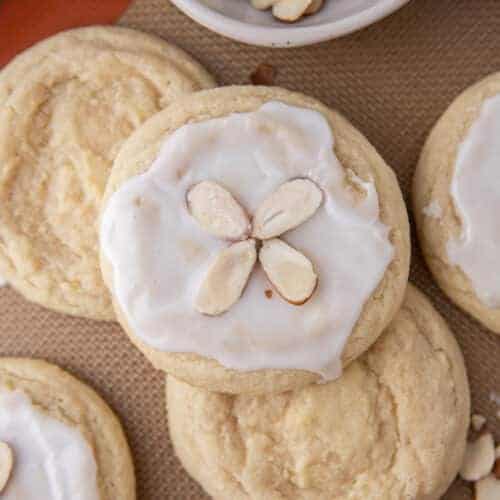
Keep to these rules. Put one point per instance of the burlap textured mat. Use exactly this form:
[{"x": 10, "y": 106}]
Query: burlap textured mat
[{"x": 392, "y": 81}]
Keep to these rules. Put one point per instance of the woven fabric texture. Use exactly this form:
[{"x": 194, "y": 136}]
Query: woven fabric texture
[{"x": 392, "y": 80}]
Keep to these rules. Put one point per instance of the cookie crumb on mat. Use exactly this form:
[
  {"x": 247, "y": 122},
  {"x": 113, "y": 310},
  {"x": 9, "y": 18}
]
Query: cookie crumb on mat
[
  {"x": 477, "y": 422},
  {"x": 264, "y": 74},
  {"x": 495, "y": 397}
]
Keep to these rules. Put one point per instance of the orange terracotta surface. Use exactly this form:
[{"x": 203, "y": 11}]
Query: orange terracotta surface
[{"x": 24, "y": 22}]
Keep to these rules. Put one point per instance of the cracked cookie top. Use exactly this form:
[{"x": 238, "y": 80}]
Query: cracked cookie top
[
  {"x": 392, "y": 427},
  {"x": 66, "y": 106}
]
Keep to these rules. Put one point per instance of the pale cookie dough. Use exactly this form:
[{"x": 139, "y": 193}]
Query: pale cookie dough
[
  {"x": 439, "y": 220},
  {"x": 356, "y": 156},
  {"x": 55, "y": 408},
  {"x": 394, "y": 426},
  {"x": 66, "y": 106}
]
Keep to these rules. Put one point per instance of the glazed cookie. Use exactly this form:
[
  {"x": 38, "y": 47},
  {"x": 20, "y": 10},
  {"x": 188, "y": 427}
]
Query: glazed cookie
[
  {"x": 253, "y": 240},
  {"x": 66, "y": 106},
  {"x": 457, "y": 201},
  {"x": 58, "y": 438},
  {"x": 393, "y": 427}
]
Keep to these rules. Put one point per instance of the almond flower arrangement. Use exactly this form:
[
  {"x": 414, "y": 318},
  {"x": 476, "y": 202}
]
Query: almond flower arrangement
[{"x": 290, "y": 272}]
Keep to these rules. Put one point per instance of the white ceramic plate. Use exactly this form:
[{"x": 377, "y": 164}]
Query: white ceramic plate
[{"x": 238, "y": 20}]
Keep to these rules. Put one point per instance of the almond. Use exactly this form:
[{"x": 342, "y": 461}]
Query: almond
[
  {"x": 487, "y": 488},
  {"x": 226, "y": 278},
  {"x": 290, "y": 10},
  {"x": 289, "y": 206},
  {"x": 479, "y": 458},
  {"x": 216, "y": 210},
  {"x": 262, "y": 4},
  {"x": 314, "y": 7},
  {"x": 289, "y": 271},
  {"x": 6, "y": 464}
]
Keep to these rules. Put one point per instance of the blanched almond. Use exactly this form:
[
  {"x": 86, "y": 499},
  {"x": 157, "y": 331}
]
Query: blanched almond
[
  {"x": 289, "y": 206},
  {"x": 289, "y": 271},
  {"x": 290, "y": 10},
  {"x": 227, "y": 277},
  {"x": 314, "y": 7},
  {"x": 216, "y": 210},
  {"x": 262, "y": 4},
  {"x": 479, "y": 458},
  {"x": 487, "y": 488},
  {"x": 6, "y": 464}
]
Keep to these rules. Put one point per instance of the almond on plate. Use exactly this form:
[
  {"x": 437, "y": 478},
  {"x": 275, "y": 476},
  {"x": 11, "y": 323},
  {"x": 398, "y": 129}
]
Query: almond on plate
[
  {"x": 226, "y": 278},
  {"x": 262, "y": 4},
  {"x": 289, "y": 206},
  {"x": 6, "y": 464},
  {"x": 290, "y": 10},
  {"x": 216, "y": 210},
  {"x": 290, "y": 272},
  {"x": 314, "y": 7}
]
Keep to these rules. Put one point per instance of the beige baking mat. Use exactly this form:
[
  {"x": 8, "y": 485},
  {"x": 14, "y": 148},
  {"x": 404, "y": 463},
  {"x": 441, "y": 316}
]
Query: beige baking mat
[{"x": 392, "y": 80}]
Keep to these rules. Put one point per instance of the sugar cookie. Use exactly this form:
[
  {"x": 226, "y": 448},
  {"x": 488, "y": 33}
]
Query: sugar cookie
[
  {"x": 66, "y": 106},
  {"x": 64, "y": 440},
  {"x": 329, "y": 225},
  {"x": 457, "y": 201},
  {"x": 393, "y": 426}
]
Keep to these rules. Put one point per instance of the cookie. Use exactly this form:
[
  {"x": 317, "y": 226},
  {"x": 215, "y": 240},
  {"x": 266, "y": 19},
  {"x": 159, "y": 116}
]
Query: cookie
[
  {"x": 393, "y": 426},
  {"x": 264, "y": 245},
  {"x": 63, "y": 439},
  {"x": 456, "y": 201},
  {"x": 66, "y": 106}
]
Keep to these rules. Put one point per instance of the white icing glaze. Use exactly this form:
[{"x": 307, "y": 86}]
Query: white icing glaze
[
  {"x": 3, "y": 282},
  {"x": 475, "y": 190},
  {"x": 52, "y": 461},
  {"x": 433, "y": 209},
  {"x": 159, "y": 254}
]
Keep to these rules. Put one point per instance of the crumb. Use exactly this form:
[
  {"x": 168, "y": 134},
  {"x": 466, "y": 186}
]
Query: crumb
[
  {"x": 264, "y": 74},
  {"x": 495, "y": 398},
  {"x": 433, "y": 209},
  {"x": 477, "y": 422},
  {"x": 269, "y": 293}
]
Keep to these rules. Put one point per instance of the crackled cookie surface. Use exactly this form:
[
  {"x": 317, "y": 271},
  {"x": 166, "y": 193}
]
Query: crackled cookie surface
[
  {"x": 253, "y": 240},
  {"x": 393, "y": 426},
  {"x": 66, "y": 106},
  {"x": 456, "y": 198},
  {"x": 58, "y": 439}
]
